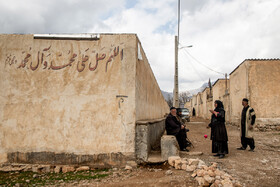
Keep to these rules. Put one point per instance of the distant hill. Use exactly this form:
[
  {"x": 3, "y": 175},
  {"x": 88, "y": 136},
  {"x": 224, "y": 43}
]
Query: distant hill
[
  {"x": 189, "y": 93},
  {"x": 167, "y": 95}
]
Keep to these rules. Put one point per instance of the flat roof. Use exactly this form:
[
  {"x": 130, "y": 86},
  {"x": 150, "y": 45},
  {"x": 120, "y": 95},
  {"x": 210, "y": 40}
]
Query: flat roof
[
  {"x": 217, "y": 81},
  {"x": 86, "y": 36},
  {"x": 254, "y": 60}
]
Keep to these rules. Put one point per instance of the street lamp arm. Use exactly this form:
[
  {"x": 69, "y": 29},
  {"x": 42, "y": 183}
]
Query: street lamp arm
[{"x": 186, "y": 47}]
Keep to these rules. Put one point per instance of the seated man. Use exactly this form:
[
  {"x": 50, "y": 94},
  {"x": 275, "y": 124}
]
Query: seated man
[
  {"x": 183, "y": 122},
  {"x": 174, "y": 127}
]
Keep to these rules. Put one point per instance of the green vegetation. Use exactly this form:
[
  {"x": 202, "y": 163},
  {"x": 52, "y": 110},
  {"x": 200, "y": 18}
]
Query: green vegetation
[{"x": 39, "y": 179}]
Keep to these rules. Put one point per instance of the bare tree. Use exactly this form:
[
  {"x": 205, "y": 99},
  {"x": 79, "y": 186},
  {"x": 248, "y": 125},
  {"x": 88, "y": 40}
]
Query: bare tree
[
  {"x": 170, "y": 101},
  {"x": 183, "y": 98}
]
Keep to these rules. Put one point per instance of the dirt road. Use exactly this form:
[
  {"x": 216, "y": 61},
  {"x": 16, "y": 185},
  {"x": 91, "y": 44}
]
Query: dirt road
[
  {"x": 260, "y": 168},
  {"x": 252, "y": 169}
]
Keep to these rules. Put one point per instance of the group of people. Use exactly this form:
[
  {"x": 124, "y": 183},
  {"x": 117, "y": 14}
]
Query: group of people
[
  {"x": 175, "y": 126},
  {"x": 219, "y": 135}
]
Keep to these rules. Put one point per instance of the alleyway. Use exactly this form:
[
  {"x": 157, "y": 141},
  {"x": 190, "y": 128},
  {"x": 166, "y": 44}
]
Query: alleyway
[
  {"x": 259, "y": 168},
  {"x": 252, "y": 169}
]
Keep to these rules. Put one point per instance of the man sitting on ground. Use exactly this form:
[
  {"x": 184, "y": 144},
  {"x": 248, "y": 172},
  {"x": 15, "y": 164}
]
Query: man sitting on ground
[{"x": 175, "y": 128}]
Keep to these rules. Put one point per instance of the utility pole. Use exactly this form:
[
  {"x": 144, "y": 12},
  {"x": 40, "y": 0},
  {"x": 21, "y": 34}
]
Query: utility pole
[{"x": 176, "y": 88}]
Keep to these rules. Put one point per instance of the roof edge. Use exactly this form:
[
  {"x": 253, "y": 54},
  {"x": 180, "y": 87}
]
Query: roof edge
[{"x": 254, "y": 59}]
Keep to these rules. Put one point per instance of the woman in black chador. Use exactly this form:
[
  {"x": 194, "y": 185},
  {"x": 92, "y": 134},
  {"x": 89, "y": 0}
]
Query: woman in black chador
[{"x": 218, "y": 130}]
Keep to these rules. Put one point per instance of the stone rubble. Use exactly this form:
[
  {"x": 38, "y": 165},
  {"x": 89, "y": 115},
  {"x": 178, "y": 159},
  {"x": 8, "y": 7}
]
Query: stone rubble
[
  {"x": 41, "y": 168},
  {"x": 207, "y": 176},
  {"x": 168, "y": 172}
]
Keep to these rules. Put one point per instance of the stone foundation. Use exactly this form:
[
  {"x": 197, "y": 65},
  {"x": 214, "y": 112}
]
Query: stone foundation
[
  {"x": 106, "y": 160},
  {"x": 148, "y": 135},
  {"x": 262, "y": 126}
]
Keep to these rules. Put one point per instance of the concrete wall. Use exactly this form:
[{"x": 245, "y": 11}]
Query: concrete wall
[
  {"x": 238, "y": 90},
  {"x": 264, "y": 78},
  {"x": 226, "y": 102},
  {"x": 78, "y": 97},
  {"x": 264, "y": 88},
  {"x": 219, "y": 89},
  {"x": 209, "y": 106},
  {"x": 220, "y": 93},
  {"x": 205, "y": 106},
  {"x": 150, "y": 108},
  {"x": 194, "y": 103},
  {"x": 188, "y": 105},
  {"x": 258, "y": 80},
  {"x": 199, "y": 105},
  {"x": 148, "y": 136},
  {"x": 150, "y": 103}
]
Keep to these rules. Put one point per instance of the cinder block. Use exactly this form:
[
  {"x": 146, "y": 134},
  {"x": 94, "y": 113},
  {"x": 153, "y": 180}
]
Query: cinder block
[{"x": 169, "y": 146}]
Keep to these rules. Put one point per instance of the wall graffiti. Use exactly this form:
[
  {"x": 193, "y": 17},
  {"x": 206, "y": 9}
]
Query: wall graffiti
[{"x": 45, "y": 62}]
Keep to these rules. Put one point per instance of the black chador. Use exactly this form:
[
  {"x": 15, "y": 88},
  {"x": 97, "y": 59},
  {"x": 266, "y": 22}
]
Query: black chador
[{"x": 218, "y": 131}]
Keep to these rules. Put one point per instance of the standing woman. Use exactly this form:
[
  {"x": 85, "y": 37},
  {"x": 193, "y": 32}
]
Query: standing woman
[{"x": 218, "y": 130}]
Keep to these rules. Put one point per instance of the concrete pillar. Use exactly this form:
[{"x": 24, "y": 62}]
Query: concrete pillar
[{"x": 169, "y": 147}]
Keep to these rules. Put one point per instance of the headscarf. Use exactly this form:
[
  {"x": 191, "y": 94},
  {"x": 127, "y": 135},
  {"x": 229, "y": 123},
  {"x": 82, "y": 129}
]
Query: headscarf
[{"x": 219, "y": 104}]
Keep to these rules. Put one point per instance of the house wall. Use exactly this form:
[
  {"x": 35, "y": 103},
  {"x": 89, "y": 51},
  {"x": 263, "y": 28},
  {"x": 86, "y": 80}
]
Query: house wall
[
  {"x": 209, "y": 107},
  {"x": 188, "y": 105},
  {"x": 194, "y": 104},
  {"x": 238, "y": 90},
  {"x": 219, "y": 90},
  {"x": 263, "y": 88},
  {"x": 73, "y": 97},
  {"x": 150, "y": 103},
  {"x": 199, "y": 105},
  {"x": 205, "y": 106}
]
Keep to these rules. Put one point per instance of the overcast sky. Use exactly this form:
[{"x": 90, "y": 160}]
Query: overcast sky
[{"x": 223, "y": 32}]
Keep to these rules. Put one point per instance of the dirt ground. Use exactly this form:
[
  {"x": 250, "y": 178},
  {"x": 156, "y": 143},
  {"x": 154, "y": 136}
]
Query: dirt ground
[
  {"x": 252, "y": 169},
  {"x": 260, "y": 168}
]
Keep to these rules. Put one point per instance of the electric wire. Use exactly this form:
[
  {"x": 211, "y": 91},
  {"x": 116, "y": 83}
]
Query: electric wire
[
  {"x": 201, "y": 63},
  {"x": 193, "y": 67}
]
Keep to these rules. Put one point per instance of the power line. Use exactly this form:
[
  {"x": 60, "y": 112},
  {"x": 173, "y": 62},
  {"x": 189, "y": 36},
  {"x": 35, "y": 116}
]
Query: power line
[
  {"x": 201, "y": 78},
  {"x": 202, "y": 63}
]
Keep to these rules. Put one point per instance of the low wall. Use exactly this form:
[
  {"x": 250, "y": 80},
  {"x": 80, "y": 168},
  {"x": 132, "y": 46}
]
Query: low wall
[
  {"x": 148, "y": 135},
  {"x": 262, "y": 124},
  {"x": 106, "y": 160}
]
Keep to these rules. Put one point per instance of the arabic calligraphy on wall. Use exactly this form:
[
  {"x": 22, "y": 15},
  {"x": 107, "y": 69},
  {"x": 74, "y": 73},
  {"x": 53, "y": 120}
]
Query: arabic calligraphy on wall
[{"x": 82, "y": 61}]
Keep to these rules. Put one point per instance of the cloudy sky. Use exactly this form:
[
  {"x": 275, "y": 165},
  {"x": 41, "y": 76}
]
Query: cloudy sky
[{"x": 223, "y": 33}]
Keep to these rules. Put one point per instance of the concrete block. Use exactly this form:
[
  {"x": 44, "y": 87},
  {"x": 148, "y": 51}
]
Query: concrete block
[
  {"x": 178, "y": 164},
  {"x": 57, "y": 169},
  {"x": 172, "y": 159},
  {"x": 46, "y": 169},
  {"x": 83, "y": 168},
  {"x": 169, "y": 147},
  {"x": 193, "y": 162},
  {"x": 66, "y": 169}
]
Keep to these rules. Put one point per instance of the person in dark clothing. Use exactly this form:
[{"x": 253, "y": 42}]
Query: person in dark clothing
[
  {"x": 193, "y": 111},
  {"x": 175, "y": 128},
  {"x": 218, "y": 130},
  {"x": 183, "y": 122},
  {"x": 248, "y": 118}
]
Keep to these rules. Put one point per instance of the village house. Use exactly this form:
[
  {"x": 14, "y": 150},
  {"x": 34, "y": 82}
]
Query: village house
[
  {"x": 258, "y": 80},
  {"x": 220, "y": 92},
  {"x": 77, "y": 99},
  {"x": 255, "y": 79}
]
